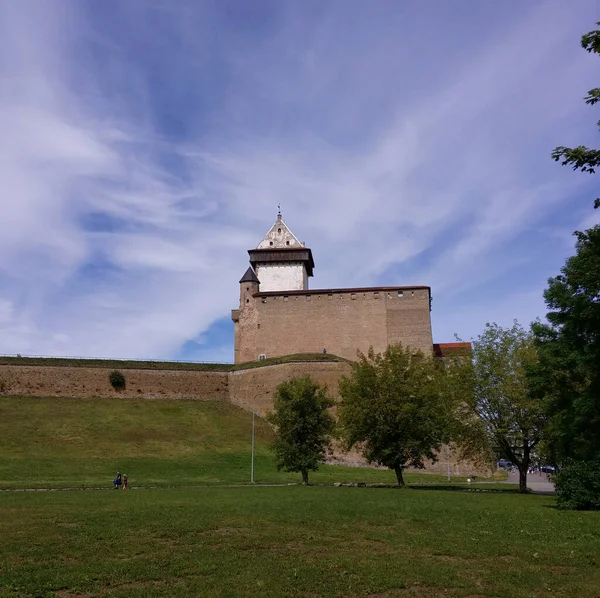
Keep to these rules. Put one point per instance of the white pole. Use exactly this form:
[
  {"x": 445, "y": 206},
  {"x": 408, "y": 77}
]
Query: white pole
[{"x": 252, "y": 468}]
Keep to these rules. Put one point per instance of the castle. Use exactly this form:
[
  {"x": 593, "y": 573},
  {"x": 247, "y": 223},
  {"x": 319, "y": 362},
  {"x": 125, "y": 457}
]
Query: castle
[{"x": 279, "y": 315}]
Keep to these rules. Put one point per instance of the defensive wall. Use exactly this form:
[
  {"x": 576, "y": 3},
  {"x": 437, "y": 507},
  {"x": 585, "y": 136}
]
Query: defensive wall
[
  {"x": 251, "y": 388},
  {"x": 341, "y": 321}
]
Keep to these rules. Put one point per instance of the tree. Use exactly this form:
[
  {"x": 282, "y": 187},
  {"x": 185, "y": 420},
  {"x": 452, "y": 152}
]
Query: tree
[
  {"x": 581, "y": 157},
  {"x": 303, "y": 425},
  {"x": 569, "y": 351},
  {"x": 393, "y": 406},
  {"x": 510, "y": 413}
]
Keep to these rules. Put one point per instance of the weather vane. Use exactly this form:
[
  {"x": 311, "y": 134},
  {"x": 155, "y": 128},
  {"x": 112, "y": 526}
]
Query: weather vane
[{"x": 279, "y": 209}]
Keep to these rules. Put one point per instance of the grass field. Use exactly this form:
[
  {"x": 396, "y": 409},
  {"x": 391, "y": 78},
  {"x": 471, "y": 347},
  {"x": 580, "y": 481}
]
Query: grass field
[
  {"x": 179, "y": 533},
  {"x": 66, "y": 442},
  {"x": 294, "y": 541}
]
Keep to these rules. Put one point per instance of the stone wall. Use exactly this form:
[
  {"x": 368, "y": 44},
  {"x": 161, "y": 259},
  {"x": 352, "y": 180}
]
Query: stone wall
[
  {"x": 94, "y": 382},
  {"x": 341, "y": 321},
  {"x": 253, "y": 388}
]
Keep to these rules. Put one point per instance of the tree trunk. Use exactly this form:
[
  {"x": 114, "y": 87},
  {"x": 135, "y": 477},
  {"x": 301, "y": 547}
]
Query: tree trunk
[
  {"x": 305, "y": 477},
  {"x": 524, "y": 468},
  {"x": 399, "y": 477}
]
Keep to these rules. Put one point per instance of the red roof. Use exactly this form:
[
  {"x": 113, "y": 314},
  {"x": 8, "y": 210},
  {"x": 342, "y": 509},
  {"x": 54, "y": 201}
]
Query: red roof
[{"x": 443, "y": 349}]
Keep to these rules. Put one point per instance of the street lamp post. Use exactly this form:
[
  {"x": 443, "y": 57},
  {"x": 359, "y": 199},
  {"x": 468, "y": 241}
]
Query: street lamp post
[{"x": 252, "y": 465}]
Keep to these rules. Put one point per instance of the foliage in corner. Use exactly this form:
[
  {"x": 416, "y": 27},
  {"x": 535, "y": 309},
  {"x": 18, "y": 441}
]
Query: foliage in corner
[
  {"x": 577, "y": 485},
  {"x": 581, "y": 157},
  {"x": 303, "y": 425},
  {"x": 395, "y": 408},
  {"x": 117, "y": 380},
  {"x": 569, "y": 350}
]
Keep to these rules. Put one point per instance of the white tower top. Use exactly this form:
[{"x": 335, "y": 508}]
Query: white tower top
[
  {"x": 279, "y": 236},
  {"x": 281, "y": 262}
]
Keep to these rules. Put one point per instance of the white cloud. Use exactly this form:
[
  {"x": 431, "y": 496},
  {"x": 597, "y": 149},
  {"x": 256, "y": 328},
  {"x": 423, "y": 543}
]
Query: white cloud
[{"x": 371, "y": 174}]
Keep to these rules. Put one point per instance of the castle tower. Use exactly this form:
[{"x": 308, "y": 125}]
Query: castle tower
[{"x": 280, "y": 261}]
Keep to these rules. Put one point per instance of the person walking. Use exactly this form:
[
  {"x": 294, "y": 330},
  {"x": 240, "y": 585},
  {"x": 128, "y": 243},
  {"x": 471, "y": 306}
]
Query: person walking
[{"x": 125, "y": 484}]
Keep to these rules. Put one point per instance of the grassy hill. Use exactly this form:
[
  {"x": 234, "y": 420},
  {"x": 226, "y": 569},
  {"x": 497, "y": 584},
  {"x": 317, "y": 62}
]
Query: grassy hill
[
  {"x": 66, "y": 442},
  {"x": 129, "y": 364}
]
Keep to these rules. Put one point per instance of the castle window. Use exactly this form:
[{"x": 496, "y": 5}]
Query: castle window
[
  {"x": 287, "y": 242},
  {"x": 329, "y": 295},
  {"x": 400, "y": 293},
  {"x": 247, "y": 300},
  {"x": 376, "y": 295},
  {"x": 278, "y": 230},
  {"x": 308, "y": 297},
  {"x": 258, "y": 326},
  {"x": 353, "y": 296},
  {"x": 285, "y": 297},
  {"x": 270, "y": 242}
]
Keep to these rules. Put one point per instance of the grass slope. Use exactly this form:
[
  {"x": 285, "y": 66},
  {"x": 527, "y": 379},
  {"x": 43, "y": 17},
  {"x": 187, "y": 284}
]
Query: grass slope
[
  {"x": 66, "y": 442},
  {"x": 294, "y": 541},
  {"x": 124, "y": 364}
]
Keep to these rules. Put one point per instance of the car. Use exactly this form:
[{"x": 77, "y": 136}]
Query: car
[
  {"x": 547, "y": 469},
  {"x": 504, "y": 464}
]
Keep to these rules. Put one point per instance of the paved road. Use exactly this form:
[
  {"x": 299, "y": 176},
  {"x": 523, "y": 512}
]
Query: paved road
[{"x": 536, "y": 482}]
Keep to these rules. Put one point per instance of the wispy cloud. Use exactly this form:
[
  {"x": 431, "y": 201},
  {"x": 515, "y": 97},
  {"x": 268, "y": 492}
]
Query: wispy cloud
[{"x": 146, "y": 145}]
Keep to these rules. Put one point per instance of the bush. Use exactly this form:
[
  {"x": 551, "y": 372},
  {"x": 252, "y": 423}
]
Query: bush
[
  {"x": 577, "y": 485},
  {"x": 117, "y": 380}
]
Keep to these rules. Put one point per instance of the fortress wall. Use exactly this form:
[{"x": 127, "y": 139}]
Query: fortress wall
[
  {"x": 93, "y": 382},
  {"x": 254, "y": 388},
  {"x": 340, "y": 321}
]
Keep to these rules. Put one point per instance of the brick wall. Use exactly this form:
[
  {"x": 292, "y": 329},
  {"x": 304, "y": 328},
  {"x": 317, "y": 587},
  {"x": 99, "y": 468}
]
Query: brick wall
[{"x": 341, "y": 321}]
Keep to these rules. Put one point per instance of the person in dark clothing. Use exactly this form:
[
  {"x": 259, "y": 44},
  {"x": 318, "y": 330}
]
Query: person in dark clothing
[{"x": 117, "y": 481}]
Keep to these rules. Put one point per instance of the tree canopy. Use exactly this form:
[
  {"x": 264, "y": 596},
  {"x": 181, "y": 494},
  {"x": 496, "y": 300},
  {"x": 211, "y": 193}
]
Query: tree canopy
[
  {"x": 569, "y": 350},
  {"x": 394, "y": 408},
  {"x": 510, "y": 414},
  {"x": 581, "y": 157},
  {"x": 303, "y": 425}
]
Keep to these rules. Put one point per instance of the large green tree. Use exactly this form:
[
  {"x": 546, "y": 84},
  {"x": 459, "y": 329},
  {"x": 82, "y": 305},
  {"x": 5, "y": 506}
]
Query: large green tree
[
  {"x": 510, "y": 414},
  {"x": 569, "y": 351},
  {"x": 581, "y": 157},
  {"x": 303, "y": 425},
  {"x": 393, "y": 406}
]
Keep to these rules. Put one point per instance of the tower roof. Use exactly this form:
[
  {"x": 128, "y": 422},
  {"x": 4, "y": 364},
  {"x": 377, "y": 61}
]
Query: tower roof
[
  {"x": 280, "y": 237},
  {"x": 249, "y": 276}
]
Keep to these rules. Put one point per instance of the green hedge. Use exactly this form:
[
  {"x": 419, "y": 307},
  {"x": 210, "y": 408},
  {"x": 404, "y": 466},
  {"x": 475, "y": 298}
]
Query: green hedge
[{"x": 577, "y": 486}]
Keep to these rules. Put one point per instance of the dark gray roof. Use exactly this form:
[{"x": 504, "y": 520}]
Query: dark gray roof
[{"x": 250, "y": 276}]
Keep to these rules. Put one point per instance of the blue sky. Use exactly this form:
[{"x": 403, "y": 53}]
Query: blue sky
[{"x": 146, "y": 144}]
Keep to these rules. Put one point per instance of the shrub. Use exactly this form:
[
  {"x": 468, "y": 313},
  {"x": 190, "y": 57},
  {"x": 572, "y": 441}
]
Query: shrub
[
  {"x": 117, "y": 380},
  {"x": 577, "y": 485}
]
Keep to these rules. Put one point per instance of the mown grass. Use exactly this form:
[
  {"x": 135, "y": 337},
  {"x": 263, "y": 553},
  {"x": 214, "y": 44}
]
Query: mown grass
[
  {"x": 294, "y": 541},
  {"x": 162, "y": 365},
  {"x": 67, "y": 442}
]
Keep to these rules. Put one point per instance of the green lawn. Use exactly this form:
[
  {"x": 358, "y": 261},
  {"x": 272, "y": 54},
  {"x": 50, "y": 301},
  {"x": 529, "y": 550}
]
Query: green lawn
[
  {"x": 65, "y": 442},
  {"x": 294, "y": 541}
]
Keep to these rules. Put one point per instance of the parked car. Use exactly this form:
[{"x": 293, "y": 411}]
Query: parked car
[
  {"x": 547, "y": 469},
  {"x": 504, "y": 464}
]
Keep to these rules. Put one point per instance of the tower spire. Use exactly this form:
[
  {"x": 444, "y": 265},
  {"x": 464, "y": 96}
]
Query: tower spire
[{"x": 278, "y": 211}]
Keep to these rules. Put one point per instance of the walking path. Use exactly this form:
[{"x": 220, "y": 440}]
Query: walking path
[{"x": 538, "y": 483}]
